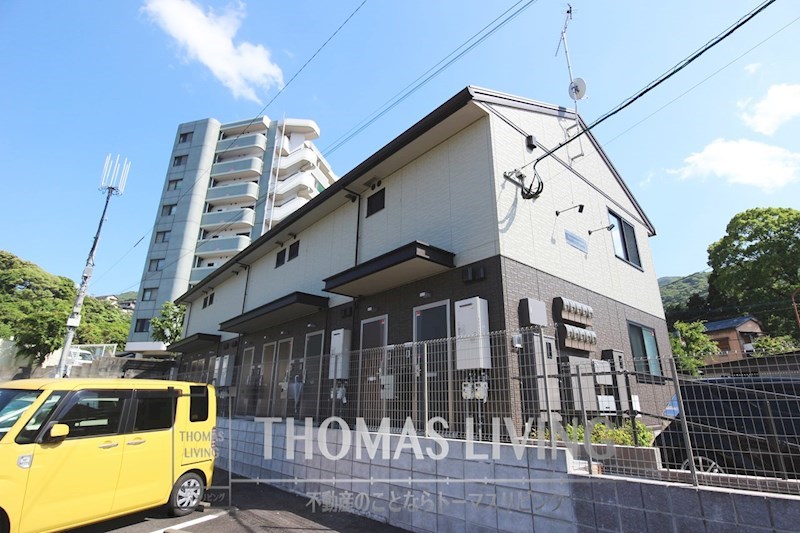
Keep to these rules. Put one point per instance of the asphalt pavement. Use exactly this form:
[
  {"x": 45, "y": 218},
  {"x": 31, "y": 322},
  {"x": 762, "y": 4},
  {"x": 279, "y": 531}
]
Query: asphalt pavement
[{"x": 250, "y": 507}]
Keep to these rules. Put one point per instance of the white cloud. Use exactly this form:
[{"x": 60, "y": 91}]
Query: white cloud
[
  {"x": 744, "y": 162},
  {"x": 208, "y": 38},
  {"x": 781, "y": 105},
  {"x": 752, "y": 68}
]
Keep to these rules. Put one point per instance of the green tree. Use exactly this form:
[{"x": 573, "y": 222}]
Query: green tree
[
  {"x": 168, "y": 326},
  {"x": 34, "y": 306},
  {"x": 755, "y": 267},
  {"x": 691, "y": 345},
  {"x": 768, "y": 345}
]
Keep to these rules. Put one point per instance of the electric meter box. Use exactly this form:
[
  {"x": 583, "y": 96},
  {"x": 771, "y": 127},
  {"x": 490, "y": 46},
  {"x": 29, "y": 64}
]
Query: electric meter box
[
  {"x": 473, "y": 349},
  {"x": 340, "y": 354}
]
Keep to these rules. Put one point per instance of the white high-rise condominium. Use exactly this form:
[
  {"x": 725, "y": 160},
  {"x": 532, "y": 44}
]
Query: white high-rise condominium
[{"x": 226, "y": 185}]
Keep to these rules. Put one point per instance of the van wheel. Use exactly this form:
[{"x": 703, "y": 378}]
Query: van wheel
[
  {"x": 703, "y": 464},
  {"x": 186, "y": 494}
]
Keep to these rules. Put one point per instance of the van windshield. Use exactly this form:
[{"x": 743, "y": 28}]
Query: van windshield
[{"x": 13, "y": 403}]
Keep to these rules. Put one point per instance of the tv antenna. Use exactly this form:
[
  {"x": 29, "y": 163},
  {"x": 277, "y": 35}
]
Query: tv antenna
[
  {"x": 577, "y": 87},
  {"x": 112, "y": 183}
]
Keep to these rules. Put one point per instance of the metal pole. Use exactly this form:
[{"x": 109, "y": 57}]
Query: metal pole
[
  {"x": 684, "y": 423},
  {"x": 425, "y": 383},
  {"x": 546, "y": 388},
  {"x": 74, "y": 319},
  {"x": 631, "y": 411},
  {"x": 586, "y": 443}
]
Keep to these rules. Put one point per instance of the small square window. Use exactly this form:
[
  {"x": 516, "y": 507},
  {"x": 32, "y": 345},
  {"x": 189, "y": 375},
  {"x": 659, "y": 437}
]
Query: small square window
[
  {"x": 168, "y": 210},
  {"x": 179, "y": 160},
  {"x": 162, "y": 236},
  {"x": 174, "y": 185},
  {"x": 294, "y": 250},
  {"x": 148, "y": 295},
  {"x": 280, "y": 258},
  {"x": 376, "y": 202},
  {"x": 142, "y": 325},
  {"x": 155, "y": 265},
  {"x": 185, "y": 137}
]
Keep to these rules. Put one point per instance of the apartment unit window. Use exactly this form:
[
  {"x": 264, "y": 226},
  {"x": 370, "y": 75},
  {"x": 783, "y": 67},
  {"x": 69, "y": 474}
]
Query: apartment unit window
[
  {"x": 280, "y": 258},
  {"x": 168, "y": 209},
  {"x": 185, "y": 137},
  {"x": 142, "y": 325},
  {"x": 174, "y": 185},
  {"x": 624, "y": 238},
  {"x": 162, "y": 236},
  {"x": 208, "y": 300},
  {"x": 644, "y": 349},
  {"x": 148, "y": 295},
  {"x": 155, "y": 265},
  {"x": 376, "y": 202},
  {"x": 179, "y": 160},
  {"x": 294, "y": 250}
]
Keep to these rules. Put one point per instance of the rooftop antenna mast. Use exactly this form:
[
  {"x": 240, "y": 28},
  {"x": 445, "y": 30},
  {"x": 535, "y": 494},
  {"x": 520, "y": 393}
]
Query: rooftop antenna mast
[
  {"x": 112, "y": 184},
  {"x": 577, "y": 86}
]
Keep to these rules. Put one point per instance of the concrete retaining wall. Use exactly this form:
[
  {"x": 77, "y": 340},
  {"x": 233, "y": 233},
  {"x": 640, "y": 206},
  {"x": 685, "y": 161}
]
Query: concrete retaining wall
[{"x": 498, "y": 492}]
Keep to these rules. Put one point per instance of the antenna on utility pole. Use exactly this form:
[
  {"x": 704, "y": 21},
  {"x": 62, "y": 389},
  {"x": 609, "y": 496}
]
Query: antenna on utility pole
[{"x": 112, "y": 184}]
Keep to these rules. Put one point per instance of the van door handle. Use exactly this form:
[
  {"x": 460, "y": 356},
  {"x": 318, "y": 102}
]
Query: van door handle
[
  {"x": 135, "y": 442},
  {"x": 108, "y": 445}
]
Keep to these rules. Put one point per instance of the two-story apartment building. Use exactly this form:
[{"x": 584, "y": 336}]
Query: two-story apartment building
[{"x": 444, "y": 226}]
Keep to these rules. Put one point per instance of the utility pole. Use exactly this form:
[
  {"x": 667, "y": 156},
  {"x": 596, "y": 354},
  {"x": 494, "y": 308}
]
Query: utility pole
[{"x": 112, "y": 183}]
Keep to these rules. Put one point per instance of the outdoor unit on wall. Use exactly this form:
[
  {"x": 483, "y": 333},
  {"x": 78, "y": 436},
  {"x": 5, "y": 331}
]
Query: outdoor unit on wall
[
  {"x": 340, "y": 354},
  {"x": 472, "y": 334}
]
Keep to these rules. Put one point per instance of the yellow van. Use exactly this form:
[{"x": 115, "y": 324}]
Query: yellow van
[{"x": 77, "y": 451}]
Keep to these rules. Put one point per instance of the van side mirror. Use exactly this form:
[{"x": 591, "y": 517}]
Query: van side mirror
[{"x": 57, "y": 433}]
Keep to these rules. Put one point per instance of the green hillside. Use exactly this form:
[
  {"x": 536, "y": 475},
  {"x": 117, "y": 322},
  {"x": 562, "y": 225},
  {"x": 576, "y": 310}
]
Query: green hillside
[{"x": 676, "y": 290}]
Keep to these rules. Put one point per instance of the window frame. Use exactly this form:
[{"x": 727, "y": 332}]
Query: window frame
[
  {"x": 280, "y": 258},
  {"x": 156, "y": 264},
  {"x": 643, "y": 366},
  {"x": 185, "y": 137},
  {"x": 168, "y": 210},
  {"x": 141, "y": 321},
  {"x": 625, "y": 242},
  {"x": 162, "y": 237},
  {"x": 294, "y": 251},
  {"x": 180, "y": 160},
  {"x": 376, "y": 202},
  {"x": 174, "y": 185},
  {"x": 149, "y": 294}
]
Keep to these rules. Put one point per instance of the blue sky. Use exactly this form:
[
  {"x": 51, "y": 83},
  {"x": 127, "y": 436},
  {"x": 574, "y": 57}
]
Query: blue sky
[{"x": 83, "y": 79}]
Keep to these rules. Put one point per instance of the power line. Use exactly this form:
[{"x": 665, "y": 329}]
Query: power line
[
  {"x": 430, "y": 74},
  {"x": 245, "y": 131},
  {"x": 649, "y": 87}
]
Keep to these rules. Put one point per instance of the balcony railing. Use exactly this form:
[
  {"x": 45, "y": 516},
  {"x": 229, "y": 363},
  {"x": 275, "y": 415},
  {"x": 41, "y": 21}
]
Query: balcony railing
[
  {"x": 249, "y": 167},
  {"x": 232, "y": 193},
  {"x": 221, "y": 246},
  {"x": 235, "y": 218}
]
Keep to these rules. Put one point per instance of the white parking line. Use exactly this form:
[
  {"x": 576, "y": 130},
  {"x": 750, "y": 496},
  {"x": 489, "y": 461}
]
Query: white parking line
[{"x": 189, "y": 523}]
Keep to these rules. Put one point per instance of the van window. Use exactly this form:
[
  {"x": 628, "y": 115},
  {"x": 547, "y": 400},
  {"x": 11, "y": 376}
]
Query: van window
[
  {"x": 95, "y": 413},
  {"x": 31, "y": 429},
  {"x": 13, "y": 404},
  {"x": 198, "y": 404},
  {"x": 154, "y": 410}
]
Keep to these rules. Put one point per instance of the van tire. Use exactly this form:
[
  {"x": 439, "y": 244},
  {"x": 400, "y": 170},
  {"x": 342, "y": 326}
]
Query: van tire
[
  {"x": 5, "y": 525},
  {"x": 186, "y": 494}
]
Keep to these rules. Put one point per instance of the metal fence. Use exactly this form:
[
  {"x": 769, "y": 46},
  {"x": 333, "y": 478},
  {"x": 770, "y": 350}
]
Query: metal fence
[{"x": 619, "y": 415}]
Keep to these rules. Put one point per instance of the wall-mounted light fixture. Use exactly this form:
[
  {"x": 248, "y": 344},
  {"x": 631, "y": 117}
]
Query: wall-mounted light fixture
[
  {"x": 279, "y": 243},
  {"x": 292, "y": 235},
  {"x": 370, "y": 308},
  {"x": 424, "y": 294},
  {"x": 608, "y": 228},
  {"x": 311, "y": 325},
  {"x": 284, "y": 332},
  {"x": 579, "y": 206}
]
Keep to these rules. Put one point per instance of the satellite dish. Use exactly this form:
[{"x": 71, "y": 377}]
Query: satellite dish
[{"x": 577, "y": 89}]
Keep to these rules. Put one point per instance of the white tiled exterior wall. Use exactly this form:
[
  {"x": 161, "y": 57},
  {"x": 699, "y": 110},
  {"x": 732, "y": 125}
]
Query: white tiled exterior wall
[{"x": 531, "y": 234}]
